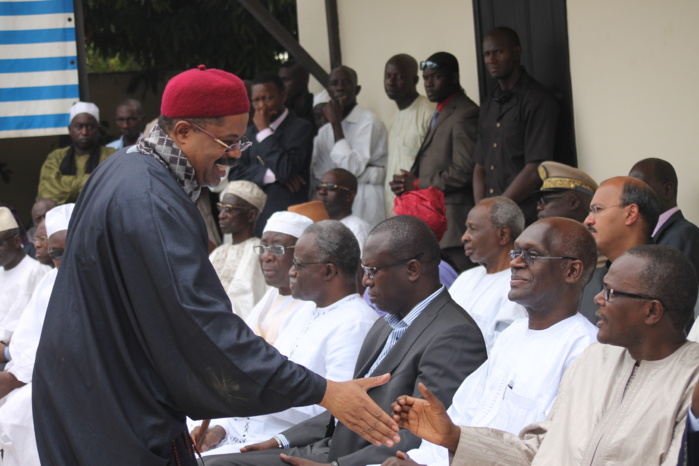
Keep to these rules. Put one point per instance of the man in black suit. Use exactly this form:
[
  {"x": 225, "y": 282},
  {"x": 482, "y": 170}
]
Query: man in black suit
[
  {"x": 672, "y": 228},
  {"x": 445, "y": 159},
  {"x": 280, "y": 157},
  {"x": 425, "y": 337}
]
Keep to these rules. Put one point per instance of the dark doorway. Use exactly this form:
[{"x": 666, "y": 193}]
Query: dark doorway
[{"x": 543, "y": 31}]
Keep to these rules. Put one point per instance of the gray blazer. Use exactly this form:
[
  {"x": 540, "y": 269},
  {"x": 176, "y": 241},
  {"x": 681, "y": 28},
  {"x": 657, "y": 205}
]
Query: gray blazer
[
  {"x": 441, "y": 348},
  {"x": 445, "y": 161}
]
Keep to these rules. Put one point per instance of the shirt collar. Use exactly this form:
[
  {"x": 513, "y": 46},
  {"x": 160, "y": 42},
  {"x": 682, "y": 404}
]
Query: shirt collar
[
  {"x": 279, "y": 120},
  {"x": 664, "y": 217},
  {"x": 442, "y": 104},
  {"x": 397, "y": 323}
]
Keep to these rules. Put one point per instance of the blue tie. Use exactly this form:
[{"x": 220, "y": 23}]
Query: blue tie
[{"x": 434, "y": 119}]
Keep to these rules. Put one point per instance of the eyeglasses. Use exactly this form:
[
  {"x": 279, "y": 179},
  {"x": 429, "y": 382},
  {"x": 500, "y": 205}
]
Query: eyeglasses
[
  {"x": 300, "y": 265},
  {"x": 546, "y": 198},
  {"x": 2, "y": 240},
  {"x": 228, "y": 207},
  {"x": 529, "y": 257},
  {"x": 371, "y": 271},
  {"x": 276, "y": 249},
  {"x": 609, "y": 292},
  {"x": 242, "y": 144},
  {"x": 40, "y": 239},
  {"x": 330, "y": 187},
  {"x": 596, "y": 209},
  {"x": 429, "y": 64},
  {"x": 56, "y": 253}
]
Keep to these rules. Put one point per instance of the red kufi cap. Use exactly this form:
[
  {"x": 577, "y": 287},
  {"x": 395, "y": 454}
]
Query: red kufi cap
[
  {"x": 202, "y": 93},
  {"x": 425, "y": 204}
]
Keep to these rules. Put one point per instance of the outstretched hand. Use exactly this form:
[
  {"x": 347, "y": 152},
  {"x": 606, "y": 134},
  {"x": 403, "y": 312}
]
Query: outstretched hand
[
  {"x": 426, "y": 418},
  {"x": 350, "y": 404},
  {"x": 401, "y": 459}
]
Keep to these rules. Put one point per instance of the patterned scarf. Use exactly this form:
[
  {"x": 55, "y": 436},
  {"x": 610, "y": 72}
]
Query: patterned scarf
[{"x": 163, "y": 149}]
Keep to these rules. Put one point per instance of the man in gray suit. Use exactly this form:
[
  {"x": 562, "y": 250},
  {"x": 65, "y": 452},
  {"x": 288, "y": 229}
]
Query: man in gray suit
[
  {"x": 425, "y": 337},
  {"x": 445, "y": 159}
]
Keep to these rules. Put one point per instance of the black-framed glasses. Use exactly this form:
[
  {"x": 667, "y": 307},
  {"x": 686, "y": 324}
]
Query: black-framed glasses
[
  {"x": 227, "y": 208},
  {"x": 609, "y": 292},
  {"x": 7, "y": 238},
  {"x": 276, "y": 249},
  {"x": 40, "y": 239},
  {"x": 429, "y": 64},
  {"x": 331, "y": 187},
  {"x": 56, "y": 253},
  {"x": 529, "y": 257},
  {"x": 242, "y": 144},
  {"x": 546, "y": 198},
  {"x": 371, "y": 271},
  {"x": 300, "y": 265}
]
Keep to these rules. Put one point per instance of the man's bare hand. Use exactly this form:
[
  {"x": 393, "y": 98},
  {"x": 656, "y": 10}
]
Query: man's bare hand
[
  {"x": 334, "y": 110},
  {"x": 427, "y": 419},
  {"x": 300, "y": 461},
  {"x": 295, "y": 183},
  {"x": 400, "y": 459},
  {"x": 263, "y": 116},
  {"x": 350, "y": 404},
  {"x": 403, "y": 182},
  {"x": 695, "y": 401},
  {"x": 212, "y": 438},
  {"x": 266, "y": 445}
]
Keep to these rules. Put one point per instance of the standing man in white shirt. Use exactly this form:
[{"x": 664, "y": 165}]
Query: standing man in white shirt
[{"x": 354, "y": 139}]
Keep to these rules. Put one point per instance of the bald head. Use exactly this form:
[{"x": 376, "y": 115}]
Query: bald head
[
  {"x": 572, "y": 239},
  {"x": 660, "y": 175}
]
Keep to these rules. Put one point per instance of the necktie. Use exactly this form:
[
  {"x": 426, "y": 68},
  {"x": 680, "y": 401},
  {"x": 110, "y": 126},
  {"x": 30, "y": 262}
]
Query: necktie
[{"x": 434, "y": 119}]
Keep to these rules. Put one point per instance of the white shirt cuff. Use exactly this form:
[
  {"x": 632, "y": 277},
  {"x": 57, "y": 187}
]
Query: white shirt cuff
[
  {"x": 693, "y": 422},
  {"x": 264, "y": 134},
  {"x": 269, "y": 177}
]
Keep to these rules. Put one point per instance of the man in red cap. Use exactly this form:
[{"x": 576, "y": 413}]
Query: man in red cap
[{"x": 139, "y": 331}]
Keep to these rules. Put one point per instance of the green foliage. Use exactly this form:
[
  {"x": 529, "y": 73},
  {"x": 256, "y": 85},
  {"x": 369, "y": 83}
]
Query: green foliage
[{"x": 154, "y": 36}]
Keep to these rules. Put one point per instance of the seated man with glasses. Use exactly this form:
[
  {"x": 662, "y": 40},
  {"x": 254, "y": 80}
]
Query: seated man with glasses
[
  {"x": 324, "y": 338},
  {"x": 425, "y": 337},
  {"x": 623, "y": 213},
  {"x": 236, "y": 263},
  {"x": 552, "y": 261},
  {"x": 279, "y": 162},
  {"x": 625, "y": 400},
  {"x": 337, "y": 190},
  {"x": 65, "y": 171}
]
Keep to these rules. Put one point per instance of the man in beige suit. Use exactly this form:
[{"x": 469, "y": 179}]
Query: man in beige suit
[
  {"x": 445, "y": 159},
  {"x": 625, "y": 400}
]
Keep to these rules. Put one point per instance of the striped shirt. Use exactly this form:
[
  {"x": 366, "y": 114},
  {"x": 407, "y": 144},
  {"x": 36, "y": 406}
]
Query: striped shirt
[{"x": 399, "y": 327}]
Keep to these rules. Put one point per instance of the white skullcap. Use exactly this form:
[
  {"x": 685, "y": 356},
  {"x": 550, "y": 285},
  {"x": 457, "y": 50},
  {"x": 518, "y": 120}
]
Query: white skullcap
[
  {"x": 7, "y": 220},
  {"x": 248, "y": 191},
  {"x": 287, "y": 222},
  {"x": 57, "y": 219},
  {"x": 84, "y": 107},
  {"x": 321, "y": 98}
]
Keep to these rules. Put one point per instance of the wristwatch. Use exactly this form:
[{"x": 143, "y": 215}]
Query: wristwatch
[{"x": 334, "y": 463}]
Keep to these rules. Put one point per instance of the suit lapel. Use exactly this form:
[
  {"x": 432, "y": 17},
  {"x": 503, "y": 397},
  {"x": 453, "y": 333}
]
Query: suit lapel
[
  {"x": 443, "y": 116},
  {"x": 402, "y": 347},
  {"x": 673, "y": 218},
  {"x": 380, "y": 342}
]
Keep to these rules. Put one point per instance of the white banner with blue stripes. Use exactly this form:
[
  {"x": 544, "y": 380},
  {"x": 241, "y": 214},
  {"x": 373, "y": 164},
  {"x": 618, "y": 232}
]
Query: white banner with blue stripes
[{"x": 38, "y": 67}]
